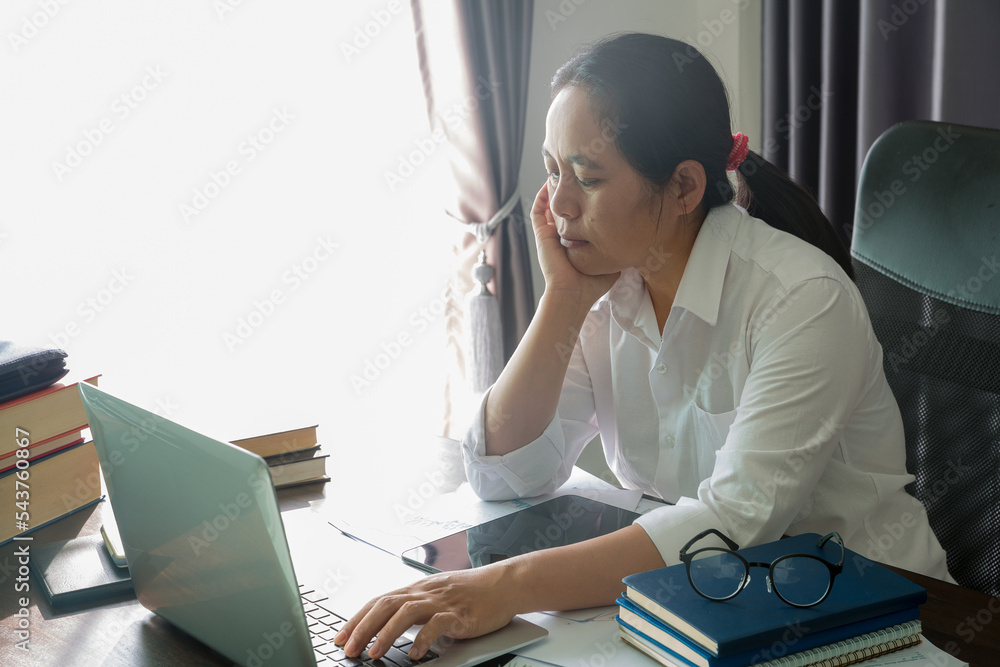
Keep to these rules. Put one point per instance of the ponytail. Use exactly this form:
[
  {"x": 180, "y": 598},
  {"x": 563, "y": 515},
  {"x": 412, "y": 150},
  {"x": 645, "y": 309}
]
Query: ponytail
[{"x": 768, "y": 193}]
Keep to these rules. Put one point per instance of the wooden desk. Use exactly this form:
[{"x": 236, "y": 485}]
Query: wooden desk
[
  {"x": 961, "y": 621},
  {"x": 121, "y": 633}
]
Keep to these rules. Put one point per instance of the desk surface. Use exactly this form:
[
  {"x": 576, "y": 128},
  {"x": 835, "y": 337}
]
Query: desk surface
[{"x": 122, "y": 633}]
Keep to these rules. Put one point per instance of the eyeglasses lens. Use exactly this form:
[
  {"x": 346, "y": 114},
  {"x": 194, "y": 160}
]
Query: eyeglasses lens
[
  {"x": 801, "y": 581},
  {"x": 717, "y": 574}
]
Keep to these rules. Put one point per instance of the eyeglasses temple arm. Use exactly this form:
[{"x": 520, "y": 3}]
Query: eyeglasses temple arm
[
  {"x": 711, "y": 531},
  {"x": 826, "y": 538}
]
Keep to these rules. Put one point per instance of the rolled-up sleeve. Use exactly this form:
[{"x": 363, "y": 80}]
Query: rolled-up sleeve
[
  {"x": 544, "y": 464},
  {"x": 531, "y": 470}
]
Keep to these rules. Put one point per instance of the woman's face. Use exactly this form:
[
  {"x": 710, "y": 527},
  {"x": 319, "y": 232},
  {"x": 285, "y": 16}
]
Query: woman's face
[{"x": 607, "y": 217}]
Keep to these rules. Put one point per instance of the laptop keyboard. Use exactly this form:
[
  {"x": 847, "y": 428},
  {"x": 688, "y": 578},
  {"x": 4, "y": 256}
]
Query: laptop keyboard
[{"x": 324, "y": 624}]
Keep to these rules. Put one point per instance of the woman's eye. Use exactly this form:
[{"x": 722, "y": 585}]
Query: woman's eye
[{"x": 554, "y": 177}]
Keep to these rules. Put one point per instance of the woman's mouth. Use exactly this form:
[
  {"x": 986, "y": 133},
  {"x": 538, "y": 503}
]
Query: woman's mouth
[{"x": 571, "y": 243}]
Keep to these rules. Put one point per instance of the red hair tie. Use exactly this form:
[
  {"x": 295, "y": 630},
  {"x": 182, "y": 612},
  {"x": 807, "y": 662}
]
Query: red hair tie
[{"x": 741, "y": 146}]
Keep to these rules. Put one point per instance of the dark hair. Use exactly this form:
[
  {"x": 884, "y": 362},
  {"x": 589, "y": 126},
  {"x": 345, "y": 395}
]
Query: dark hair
[{"x": 665, "y": 104}]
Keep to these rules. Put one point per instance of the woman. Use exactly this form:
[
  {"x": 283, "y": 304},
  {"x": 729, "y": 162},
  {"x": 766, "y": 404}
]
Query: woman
[{"x": 729, "y": 367}]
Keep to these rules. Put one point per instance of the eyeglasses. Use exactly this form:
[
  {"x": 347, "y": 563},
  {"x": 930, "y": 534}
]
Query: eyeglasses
[{"x": 801, "y": 580}]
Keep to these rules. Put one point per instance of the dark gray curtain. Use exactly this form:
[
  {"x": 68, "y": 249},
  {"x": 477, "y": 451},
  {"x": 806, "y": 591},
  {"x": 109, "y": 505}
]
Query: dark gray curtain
[
  {"x": 838, "y": 73},
  {"x": 491, "y": 42},
  {"x": 499, "y": 41}
]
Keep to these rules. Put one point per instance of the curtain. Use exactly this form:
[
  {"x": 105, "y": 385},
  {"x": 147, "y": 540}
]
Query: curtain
[
  {"x": 838, "y": 73},
  {"x": 474, "y": 59}
]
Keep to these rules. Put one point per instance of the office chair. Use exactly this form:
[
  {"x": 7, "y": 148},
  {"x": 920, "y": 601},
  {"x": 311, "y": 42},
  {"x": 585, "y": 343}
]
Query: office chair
[{"x": 925, "y": 248}]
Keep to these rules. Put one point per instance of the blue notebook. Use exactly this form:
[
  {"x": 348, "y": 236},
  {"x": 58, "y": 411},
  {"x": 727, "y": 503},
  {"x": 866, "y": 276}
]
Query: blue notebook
[
  {"x": 756, "y": 618},
  {"x": 680, "y": 648}
]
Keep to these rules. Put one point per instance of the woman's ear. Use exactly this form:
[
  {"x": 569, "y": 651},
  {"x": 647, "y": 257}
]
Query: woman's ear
[{"x": 689, "y": 184}]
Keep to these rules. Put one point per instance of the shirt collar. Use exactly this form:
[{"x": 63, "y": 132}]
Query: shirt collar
[
  {"x": 626, "y": 300},
  {"x": 700, "y": 290}
]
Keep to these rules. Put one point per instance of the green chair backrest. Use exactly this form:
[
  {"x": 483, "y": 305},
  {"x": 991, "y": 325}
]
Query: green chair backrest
[{"x": 926, "y": 252}]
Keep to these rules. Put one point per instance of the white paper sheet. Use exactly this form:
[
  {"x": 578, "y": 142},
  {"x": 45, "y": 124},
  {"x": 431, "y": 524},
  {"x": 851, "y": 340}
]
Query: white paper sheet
[
  {"x": 573, "y": 643},
  {"x": 923, "y": 654}
]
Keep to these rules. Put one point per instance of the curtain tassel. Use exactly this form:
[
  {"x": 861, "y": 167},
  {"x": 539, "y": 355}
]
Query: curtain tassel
[{"x": 485, "y": 330}]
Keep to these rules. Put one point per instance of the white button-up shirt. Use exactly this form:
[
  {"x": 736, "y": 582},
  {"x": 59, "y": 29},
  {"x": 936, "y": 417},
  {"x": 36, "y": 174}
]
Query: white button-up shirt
[{"x": 761, "y": 410}]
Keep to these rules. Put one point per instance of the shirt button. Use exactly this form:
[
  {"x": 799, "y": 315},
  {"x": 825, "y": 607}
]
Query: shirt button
[
  {"x": 661, "y": 368},
  {"x": 668, "y": 441}
]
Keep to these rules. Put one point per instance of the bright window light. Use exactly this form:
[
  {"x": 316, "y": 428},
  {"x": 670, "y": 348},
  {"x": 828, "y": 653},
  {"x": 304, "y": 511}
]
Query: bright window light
[{"x": 230, "y": 209}]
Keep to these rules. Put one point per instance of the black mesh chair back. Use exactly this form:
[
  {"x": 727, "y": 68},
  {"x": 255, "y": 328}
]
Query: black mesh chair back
[{"x": 925, "y": 248}]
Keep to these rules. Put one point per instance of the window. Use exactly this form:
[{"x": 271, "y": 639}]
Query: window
[{"x": 229, "y": 209}]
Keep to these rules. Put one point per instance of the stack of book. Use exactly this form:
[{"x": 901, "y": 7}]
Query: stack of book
[
  {"x": 47, "y": 468},
  {"x": 293, "y": 457},
  {"x": 870, "y": 611}
]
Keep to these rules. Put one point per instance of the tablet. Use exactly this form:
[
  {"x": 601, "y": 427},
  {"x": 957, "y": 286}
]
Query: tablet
[{"x": 556, "y": 522}]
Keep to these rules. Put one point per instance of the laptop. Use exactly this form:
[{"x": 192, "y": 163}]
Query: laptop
[{"x": 208, "y": 551}]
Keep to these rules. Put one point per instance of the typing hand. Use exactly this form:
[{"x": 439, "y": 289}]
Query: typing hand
[{"x": 459, "y": 605}]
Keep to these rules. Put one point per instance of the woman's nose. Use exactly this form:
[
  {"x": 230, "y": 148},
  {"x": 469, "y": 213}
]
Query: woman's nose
[{"x": 562, "y": 201}]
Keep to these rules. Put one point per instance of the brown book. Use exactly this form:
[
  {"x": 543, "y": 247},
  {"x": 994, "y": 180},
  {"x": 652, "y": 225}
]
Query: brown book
[
  {"x": 37, "y": 450},
  {"x": 301, "y": 467},
  {"x": 283, "y": 442},
  {"x": 49, "y": 488},
  {"x": 44, "y": 414}
]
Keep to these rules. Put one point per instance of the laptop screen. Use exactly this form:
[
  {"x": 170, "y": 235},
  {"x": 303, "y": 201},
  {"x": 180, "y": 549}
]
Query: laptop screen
[{"x": 202, "y": 533}]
